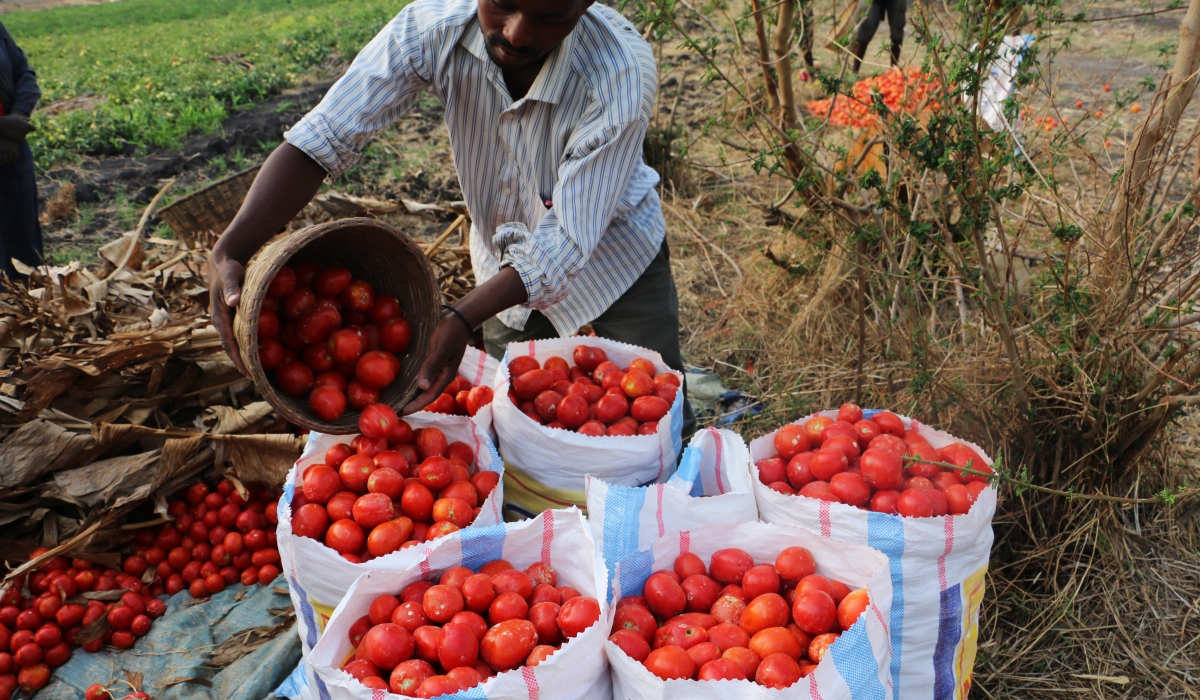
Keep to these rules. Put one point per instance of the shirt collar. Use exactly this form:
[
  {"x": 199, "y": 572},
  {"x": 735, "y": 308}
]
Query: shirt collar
[{"x": 551, "y": 81}]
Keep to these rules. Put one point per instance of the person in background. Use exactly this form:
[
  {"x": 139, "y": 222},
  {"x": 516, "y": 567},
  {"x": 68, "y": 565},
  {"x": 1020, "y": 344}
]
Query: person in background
[
  {"x": 895, "y": 11},
  {"x": 20, "y": 233}
]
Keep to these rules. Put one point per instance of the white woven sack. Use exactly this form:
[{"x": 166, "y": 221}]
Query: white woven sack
[
  {"x": 479, "y": 368},
  {"x": 560, "y": 459},
  {"x": 937, "y": 570},
  {"x": 856, "y": 667},
  {"x": 577, "y": 671},
  {"x": 712, "y": 485},
  {"x": 317, "y": 576}
]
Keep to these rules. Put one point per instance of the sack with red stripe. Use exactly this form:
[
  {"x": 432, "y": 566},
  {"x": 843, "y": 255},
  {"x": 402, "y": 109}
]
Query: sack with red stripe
[
  {"x": 479, "y": 368},
  {"x": 545, "y": 467},
  {"x": 855, "y": 667},
  {"x": 937, "y": 566},
  {"x": 559, "y": 538},
  {"x": 712, "y": 485},
  {"x": 318, "y": 577}
]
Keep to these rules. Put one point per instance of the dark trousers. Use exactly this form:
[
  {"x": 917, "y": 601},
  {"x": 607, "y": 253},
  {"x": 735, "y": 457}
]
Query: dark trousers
[
  {"x": 895, "y": 11},
  {"x": 20, "y": 233},
  {"x": 647, "y": 316}
]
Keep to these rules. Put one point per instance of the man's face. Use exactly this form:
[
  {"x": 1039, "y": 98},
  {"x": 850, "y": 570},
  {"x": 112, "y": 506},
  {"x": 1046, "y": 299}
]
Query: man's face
[{"x": 520, "y": 33}]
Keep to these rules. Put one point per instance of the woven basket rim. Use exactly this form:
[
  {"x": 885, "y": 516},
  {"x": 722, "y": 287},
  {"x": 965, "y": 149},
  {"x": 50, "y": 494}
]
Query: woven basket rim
[{"x": 209, "y": 188}]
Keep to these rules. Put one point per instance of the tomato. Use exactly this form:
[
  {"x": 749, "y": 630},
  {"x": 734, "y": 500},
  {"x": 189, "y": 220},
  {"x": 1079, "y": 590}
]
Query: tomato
[
  {"x": 345, "y": 537},
  {"x": 759, "y": 580},
  {"x": 820, "y": 645},
  {"x": 958, "y": 499},
  {"x": 442, "y": 603},
  {"x": 850, "y": 413},
  {"x": 453, "y": 510},
  {"x": 703, "y": 653},
  {"x": 914, "y": 503},
  {"x": 395, "y": 335},
  {"x": 315, "y": 326},
  {"x": 881, "y": 468},
  {"x": 851, "y": 608},
  {"x": 408, "y": 676},
  {"x": 721, "y": 670},
  {"x": 743, "y": 657},
  {"x": 728, "y": 636},
  {"x": 426, "y": 641},
  {"x": 771, "y": 470},
  {"x": 477, "y": 398},
  {"x": 689, "y": 564},
  {"x": 384, "y": 309},
  {"x": 436, "y": 686},
  {"x": 847, "y": 444},
  {"x": 459, "y": 647},
  {"x": 637, "y": 383},
  {"x": 512, "y": 581},
  {"x": 647, "y": 409},
  {"x": 588, "y": 358},
  {"x": 631, "y": 643},
  {"x": 520, "y": 365},
  {"x": 388, "y": 644},
  {"x": 636, "y": 619},
  {"x": 297, "y": 302},
  {"x": 373, "y": 509},
  {"x": 37, "y": 676},
  {"x": 776, "y": 640},
  {"x": 701, "y": 591},
  {"x": 850, "y": 489},
  {"x": 330, "y": 281},
  {"x": 867, "y": 431},
  {"x": 664, "y": 596},
  {"x": 827, "y": 462},
  {"x": 417, "y": 502},
  {"x": 702, "y": 620},
  {"x": 767, "y": 610},
  {"x": 777, "y": 671},
  {"x": 508, "y": 606},
  {"x": 377, "y": 421},
  {"x": 543, "y": 593},
  {"x": 529, "y": 384},
  {"x": 477, "y": 592},
  {"x": 730, "y": 565},
  {"x": 680, "y": 634},
  {"x": 815, "y": 426},
  {"x": 729, "y": 609},
  {"x": 386, "y": 480},
  {"x": 507, "y": 644},
  {"x": 578, "y": 614},
  {"x": 611, "y": 407},
  {"x": 376, "y": 369},
  {"x": 341, "y": 506},
  {"x": 593, "y": 428},
  {"x": 466, "y": 676},
  {"x": 794, "y": 563},
  {"x": 814, "y": 611},
  {"x": 294, "y": 378},
  {"x": 791, "y": 440},
  {"x": 889, "y": 422},
  {"x": 410, "y": 615},
  {"x": 544, "y": 617},
  {"x": 670, "y": 662},
  {"x": 358, "y": 296}
]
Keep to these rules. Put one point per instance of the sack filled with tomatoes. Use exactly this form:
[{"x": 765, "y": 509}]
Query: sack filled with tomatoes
[
  {"x": 470, "y": 394},
  {"x": 877, "y": 478},
  {"x": 353, "y": 504},
  {"x": 711, "y": 485},
  {"x": 763, "y": 608},
  {"x": 568, "y": 408},
  {"x": 509, "y": 611}
]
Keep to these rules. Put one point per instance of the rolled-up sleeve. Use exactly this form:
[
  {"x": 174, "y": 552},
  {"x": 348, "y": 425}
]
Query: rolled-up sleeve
[
  {"x": 381, "y": 84},
  {"x": 591, "y": 181}
]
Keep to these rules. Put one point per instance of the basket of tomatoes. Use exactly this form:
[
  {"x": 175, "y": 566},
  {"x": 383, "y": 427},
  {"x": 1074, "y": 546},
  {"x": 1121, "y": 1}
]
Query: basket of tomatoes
[
  {"x": 510, "y": 611},
  {"x": 748, "y": 610},
  {"x": 337, "y": 317}
]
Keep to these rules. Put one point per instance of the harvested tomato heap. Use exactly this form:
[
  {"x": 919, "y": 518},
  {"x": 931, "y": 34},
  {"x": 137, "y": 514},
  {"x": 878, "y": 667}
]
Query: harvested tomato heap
[
  {"x": 903, "y": 90},
  {"x": 433, "y": 640},
  {"x": 873, "y": 464},
  {"x": 330, "y": 338},
  {"x": 391, "y": 487},
  {"x": 595, "y": 396},
  {"x": 216, "y": 540},
  {"x": 770, "y": 623}
]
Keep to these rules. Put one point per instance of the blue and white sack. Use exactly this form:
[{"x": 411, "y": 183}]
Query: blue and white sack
[
  {"x": 937, "y": 567},
  {"x": 856, "y": 665},
  {"x": 577, "y": 671},
  {"x": 317, "y": 576},
  {"x": 712, "y": 485}
]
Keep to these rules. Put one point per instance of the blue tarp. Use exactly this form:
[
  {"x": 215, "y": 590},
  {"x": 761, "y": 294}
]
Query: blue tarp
[{"x": 181, "y": 643}]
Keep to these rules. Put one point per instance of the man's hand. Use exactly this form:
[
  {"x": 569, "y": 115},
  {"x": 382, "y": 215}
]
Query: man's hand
[
  {"x": 16, "y": 127},
  {"x": 446, "y": 348},
  {"x": 224, "y": 293},
  {"x": 10, "y": 151}
]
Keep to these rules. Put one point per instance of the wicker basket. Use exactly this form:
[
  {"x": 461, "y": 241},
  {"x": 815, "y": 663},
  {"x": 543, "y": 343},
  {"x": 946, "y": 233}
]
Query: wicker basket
[
  {"x": 373, "y": 251},
  {"x": 201, "y": 217}
]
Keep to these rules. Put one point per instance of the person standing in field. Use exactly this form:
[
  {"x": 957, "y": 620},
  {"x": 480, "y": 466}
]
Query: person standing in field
[
  {"x": 547, "y": 104},
  {"x": 895, "y": 11},
  {"x": 20, "y": 233}
]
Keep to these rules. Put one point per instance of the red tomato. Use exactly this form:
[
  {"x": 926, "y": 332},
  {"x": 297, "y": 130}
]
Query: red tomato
[
  {"x": 768, "y": 610},
  {"x": 636, "y": 618},
  {"x": 791, "y": 440},
  {"x": 358, "y": 296},
  {"x": 466, "y": 676},
  {"x": 387, "y": 480},
  {"x": 819, "y": 646},
  {"x": 426, "y": 641},
  {"x": 373, "y": 509},
  {"x": 376, "y": 369},
  {"x": 729, "y": 609},
  {"x": 592, "y": 428},
  {"x": 377, "y": 421},
  {"x": 330, "y": 281},
  {"x": 680, "y": 634},
  {"x": 512, "y": 581},
  {"x": 410, "y": 615},
  {"x": 417, "y": 502},
  {"x": 436, "y": 686},
  {"x": 730, "y": 565},
  {"x": 664, "y": 596},
  {"x": 459, "y": 647},
  {"x": 958, "y": 499},
  {"x": 442, "y": 603},
  {"x": 889, "y": 422},
  {"x": 914, "y": 503},
  {"x": 814, "y": 612},
  {"x": 777, "y": 671},
  {"x": 520, "y": 365},
  {"x": 345, "y": 537},
  {"x": 529, "y": 384},
  {"x": 294, "y": 378},
  {"x": 631, "y": 643},
  {"x": 670, "y": 662},
  {"x": 395, "y": 335},
  {"x": 794, "y": 563},
  {"x": 799, "y": 470},
  {"x": 477, "y": 398},
  {"x": 721, "y": 670},
  {"x": 544, "y": 617},
  {"x": 507, "y": 644},
  {"x": 431, "y": 442},
  {"x": 728, "y": 636},
  {"x": 776, "y": 640},
  {"x": 850, "y": 413},
  {"x": 689, "y": 564},
  {"x": 477, "y": 592},
  {"x": 827, "y": 462},
  {"x": 508, "y": 606},
  {"x": 771, "y": 470},
  {"x": 703, "y": 653},
  {"x": 283, "y": 283},
  {"x": 408, "y": 676},
  {"x": 850, "y": 489},
  {"x": 588, "y": 358},
  {"x": 701, "y": 591},
  {"x": 852, "y": 607},
  {"x": 296, "y": 302},
  {"x": 744, "y": 658},
  {"x": 646, "y": 409},
  {"x": 611, "y": 407},
  {"x": 815, "y": 427},
  {"x": 578, "y": 614},
  {"x": 759, "y": 580},
  {"x": 637, "y": 383},
  {"x": 387, "y": 645},
  {"x": 320, "y": 483}
]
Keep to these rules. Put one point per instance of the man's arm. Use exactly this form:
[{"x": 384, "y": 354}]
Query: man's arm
[{"x": 288, "y": 180}]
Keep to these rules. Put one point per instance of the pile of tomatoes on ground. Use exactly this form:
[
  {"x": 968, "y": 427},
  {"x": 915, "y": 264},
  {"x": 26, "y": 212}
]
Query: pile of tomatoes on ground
[
  {"x": 329, "y": 337},
  {"x": 595, "y": 396},
  {"x": 902, "y": 90},
  {"x": 433, "y": 640},
  {"x": 769, "y": 623},
  {"x": 873, "y": 464},
  {"x": 215, "y": 540},
  {"x": 389, "y": 488}
]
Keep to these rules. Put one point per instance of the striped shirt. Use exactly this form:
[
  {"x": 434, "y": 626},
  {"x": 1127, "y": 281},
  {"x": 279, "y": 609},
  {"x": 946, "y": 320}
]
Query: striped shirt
[{"x": 575, "y": 140}]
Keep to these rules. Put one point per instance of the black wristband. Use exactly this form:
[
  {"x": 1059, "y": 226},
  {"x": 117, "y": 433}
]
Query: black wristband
[{"x": 462, "y": 318}]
